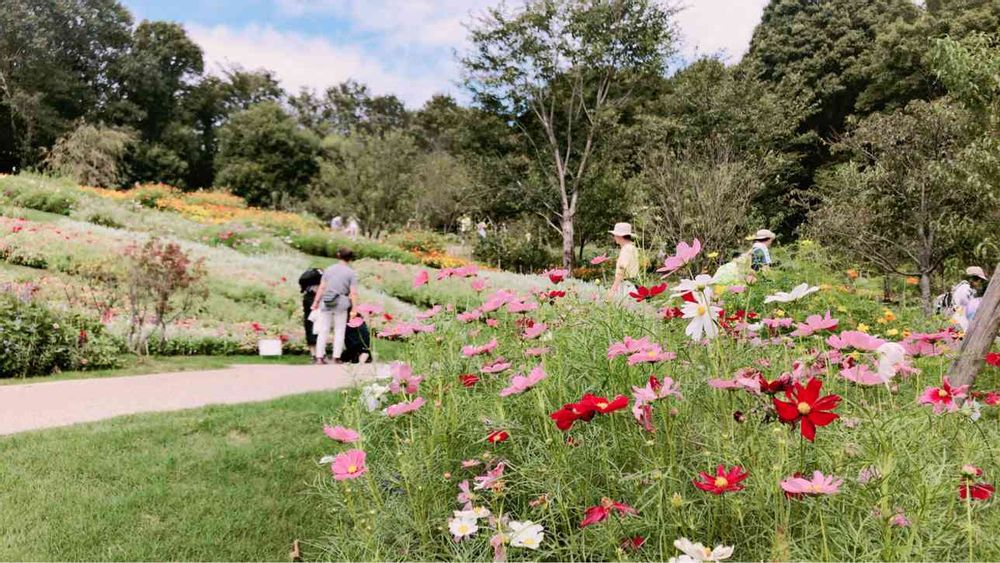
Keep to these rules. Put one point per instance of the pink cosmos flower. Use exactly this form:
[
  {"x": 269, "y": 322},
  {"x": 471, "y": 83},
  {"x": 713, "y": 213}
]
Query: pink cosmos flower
[
  {"x": 899, "y": 519},
  {"x": 861, "y": 374},
  {"x": 819, "y": 485},
  {"x": 629, "y": 346},
  {"x": 405, "y": 407},
  {"x": 478, "y": 284},
  {"x": 496, "y": 366},
  {"x": 341, "y": 434},
  {"x": 521, "y": 383},
  {"x": 349, "y": 465},
  {"x": 943, "y": 398},
  {"x": 646, "y": 396},
  {"x": 684, "y": 254},
  {"x": 492, "y": 323},
  {"x": 751, "y": 384},
  {"x": 421, "y": 278},
  {"x": 465, "y": 495},
  {"x": 534, "y": 331},
  {"x": 368, "y": 309},
  {"x": 814, "y": 324},
  {"x": 598, "y": 260},
  {"x": 521, "y": 306},
  {"x": 777, "y": 324},
  {"x": 467, "y": 463},
  {"x": 471, "y": 350},
  {"x": 531, "y": 352},
  {"x": 403, "y": 378},
  {"x": 429, "y": 313},
  {"x": 469, "y": 316},
  {"x": 854, "y": 339},
  {"x": 404, "y": 330},
  {"x": 490, "y": 478},
  {"x": 736, "y": 288},
  {"x": 929, "y": 344},
  {"x": 651, "y": 355}
]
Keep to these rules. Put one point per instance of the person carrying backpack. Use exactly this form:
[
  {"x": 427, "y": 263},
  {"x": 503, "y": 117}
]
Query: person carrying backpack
[{"x": 335, "y": 298}]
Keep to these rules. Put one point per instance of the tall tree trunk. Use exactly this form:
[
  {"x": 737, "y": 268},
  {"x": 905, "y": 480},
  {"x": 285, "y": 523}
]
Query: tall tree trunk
[
  {"x": 982, "y": 332},
  {"x": 925, "y": 292},
  {"x": 567, "y": 239}
]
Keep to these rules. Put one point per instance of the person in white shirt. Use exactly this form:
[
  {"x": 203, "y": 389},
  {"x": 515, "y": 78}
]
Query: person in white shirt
[
  {"x": 965, "y": 295},
  {"x": 627, "y": 266}
]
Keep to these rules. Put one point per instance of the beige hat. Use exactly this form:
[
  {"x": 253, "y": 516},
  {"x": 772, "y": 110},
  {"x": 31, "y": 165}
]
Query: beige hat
[
  {"x": 975, "y": 272},
  {"x": 763, "y": 234},
  {"x": 622, "y": 230}
]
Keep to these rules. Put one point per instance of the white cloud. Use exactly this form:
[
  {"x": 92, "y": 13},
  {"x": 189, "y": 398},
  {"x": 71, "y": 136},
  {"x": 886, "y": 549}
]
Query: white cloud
[
  {"x": 710, "y": 27},
  {"x": 301, "y": 60}
]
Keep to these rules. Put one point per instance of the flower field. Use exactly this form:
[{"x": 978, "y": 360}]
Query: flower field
[{"x": 792, "y": 419}]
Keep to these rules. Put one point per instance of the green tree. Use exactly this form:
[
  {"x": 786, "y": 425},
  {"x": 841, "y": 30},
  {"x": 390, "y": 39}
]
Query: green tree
[
  {"x": 562, "y": 70},
  {"x": 903, "y": 203},
  {"x": 347, "y": 108},
  {"x": 92, "y": 155},
  {"x": 265, "y": 157},
  {"x": 54, "y": 55},
  {"x": 369, "y": 177}
]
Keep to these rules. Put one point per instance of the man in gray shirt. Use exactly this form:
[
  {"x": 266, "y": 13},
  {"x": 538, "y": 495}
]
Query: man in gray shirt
[{"x": 335, "y": 298}]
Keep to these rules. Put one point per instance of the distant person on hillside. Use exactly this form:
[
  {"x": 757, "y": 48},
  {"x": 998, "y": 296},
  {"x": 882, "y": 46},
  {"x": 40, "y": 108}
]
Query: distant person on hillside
[
  {"x": 760, "y": 252},
  {"x": 627, "y": 266},
  {"x": 308, "y": 285},
  {"x": 337, "y": 224},
  {"x": 353, "y": 229},
  {"x": 335, "y": 298},
  {"x": 481, "y": 229}
]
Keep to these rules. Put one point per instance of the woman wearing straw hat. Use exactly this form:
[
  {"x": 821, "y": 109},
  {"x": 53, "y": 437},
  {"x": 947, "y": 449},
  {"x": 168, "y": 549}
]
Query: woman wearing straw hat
[
  {"x": 760, "y": 253},
  {"x": 965, "y": 296},
  {"x": 627, "y": 266}
]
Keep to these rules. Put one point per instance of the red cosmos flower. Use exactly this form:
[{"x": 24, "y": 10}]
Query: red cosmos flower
[
  {"x": 387, "y": 317},
  {"x": 671, "y": 313},
  {"x": 993, "y": 358},
  {"x": 724, "y": 481},
  {"x": 256, "y": 327},
  {"x": 633, "y": 543},
  {"x": 601, "y": 512},
  {"x": 978, "y": 491},
  {"x": 556, "y": 293},
  {"x": 992, "y": 399},
  {"x": 468, "y": 379},
  {"x": 804, "y": 404},
  {"x": 774, "y": 386},
  {"x": 602, "y": 405},
  {"x": 498, "y": 436},
  {"x": 643, "y": 293},
  {"x": 689, "y": 297}
]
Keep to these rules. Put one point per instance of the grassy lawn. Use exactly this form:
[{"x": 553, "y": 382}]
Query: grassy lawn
[{"x": 218, "y": 483}]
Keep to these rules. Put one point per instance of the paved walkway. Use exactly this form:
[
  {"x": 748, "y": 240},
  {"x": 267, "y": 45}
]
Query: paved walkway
[{"x": 32, "y": 406}]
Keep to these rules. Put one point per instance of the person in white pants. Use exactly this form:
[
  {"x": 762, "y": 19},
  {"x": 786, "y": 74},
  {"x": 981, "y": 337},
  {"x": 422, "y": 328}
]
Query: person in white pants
[{"x": 334, "y": 303}]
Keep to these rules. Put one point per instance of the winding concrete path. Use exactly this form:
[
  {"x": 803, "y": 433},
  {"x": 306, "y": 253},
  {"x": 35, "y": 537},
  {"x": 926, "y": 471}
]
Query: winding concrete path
[{"x": 32, "y": 406}]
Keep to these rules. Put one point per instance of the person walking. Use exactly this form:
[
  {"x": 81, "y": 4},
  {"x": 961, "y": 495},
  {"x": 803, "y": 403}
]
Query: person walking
[
  {"x": 627, "y": 266},
  {"x": 337, "y": 224},
  {"x": 353, "y": 229},
  {"x": 760, "y": 252},
  {"x": 308, "y": 285},
  {"x": 335, "y": 298}
]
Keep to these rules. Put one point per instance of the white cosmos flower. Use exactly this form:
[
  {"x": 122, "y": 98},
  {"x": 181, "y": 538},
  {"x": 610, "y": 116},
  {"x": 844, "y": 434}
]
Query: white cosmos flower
[
  {"x": 462, "y": 527},
  {"x": 526, "y": 534},
  {"x": 701, "y": 281},
  {"x": 797, "y": 292},
  {"x": 473, "y": 513},
  {"x": 891, "y": 356},
  {"x": 703, "y": 315},
  {"x": 695, "y": 552}
]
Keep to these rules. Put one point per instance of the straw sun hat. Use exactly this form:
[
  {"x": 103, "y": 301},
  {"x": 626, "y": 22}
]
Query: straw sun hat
[
  {"x": 763, "y": 234},
  {"x": 622, "y": 230},
  {"x": 975, "y": 272}
]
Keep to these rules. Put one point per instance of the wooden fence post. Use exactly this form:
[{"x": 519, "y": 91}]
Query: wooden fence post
[{"x": 978, "y": 339}]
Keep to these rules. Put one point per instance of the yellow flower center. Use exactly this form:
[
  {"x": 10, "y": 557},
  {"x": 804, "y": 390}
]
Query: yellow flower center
[
  {"x": 528, "y": 541},
  {"x": 707, "y": 553},
  {"x": 352, "y": 468},
  {"x": 602, "y": 405},
  {"x": 942, "y": 393},
  {"x": 804, "y": 408},
  {"x": 463, "y": 528},
  {"x": 721, "y": 482},
  {"x": 701, "y": 310}
]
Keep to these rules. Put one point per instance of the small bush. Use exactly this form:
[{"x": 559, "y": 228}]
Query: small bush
[
  {"x": 325, "y": 244},
  {"x": 20, "y": 257},
  {"x": 518, "y": 248},
  {"x": 50, "y": 200},
  {"x": 199, "y": 346},
  {"x": 37, "y": 341},
  {"x": 104, "y": 220},
  {"x": 149, "y": 195},
  {"x": 419, "y": 241}
]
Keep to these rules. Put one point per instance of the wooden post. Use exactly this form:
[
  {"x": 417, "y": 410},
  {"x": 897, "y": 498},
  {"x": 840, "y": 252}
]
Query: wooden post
[{"x": 982, "y": 331}]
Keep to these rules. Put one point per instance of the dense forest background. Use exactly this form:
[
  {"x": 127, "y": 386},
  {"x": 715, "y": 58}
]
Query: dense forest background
[{"x": 870, "y": 124}]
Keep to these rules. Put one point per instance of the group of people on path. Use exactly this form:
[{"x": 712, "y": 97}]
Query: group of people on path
[{"x": 353, "y": 229}]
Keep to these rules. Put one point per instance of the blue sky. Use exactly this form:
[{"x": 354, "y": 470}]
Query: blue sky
[{"x": 404, "y": 47}]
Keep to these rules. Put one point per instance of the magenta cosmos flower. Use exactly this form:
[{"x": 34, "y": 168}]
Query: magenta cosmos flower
[
  {"x": 943, "y": 398},
  {"x": 405, "y": 407},
  {"x": 349, "y": 465},
  {"x": 521, "y": 383},
  {"x": 341, "y": 434},
  {"x": 471, "y": 350},
  {"x": 420, "y": 278},
  {"x": 819, "y": 485},
  {"x": 534, "y": 331},
  {"x": 496, "y": 366}
]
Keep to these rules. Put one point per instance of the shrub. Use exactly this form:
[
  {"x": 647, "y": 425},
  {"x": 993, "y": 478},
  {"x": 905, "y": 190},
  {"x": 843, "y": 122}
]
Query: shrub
[
  {"x": 325, "y": 244},
  {"x": 518, "y": 248},
  {"x": 104, "y": 220},
  {"x": 149, "y": 195},
  {"x": 36, "y": 341},
  {"x": 50, "y": 200},
  {"x": 199, "y": 346},
  {"x": 419, "y": 241},
  {"x": 91, "y": 155},
  {"x": 20, "y": 257}
]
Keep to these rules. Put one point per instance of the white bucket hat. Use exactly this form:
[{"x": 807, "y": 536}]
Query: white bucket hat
[
  {"x": 975, "y": 272},
  {"x": 622, "y": 230},
  {"x": 763, "y": 234}
]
